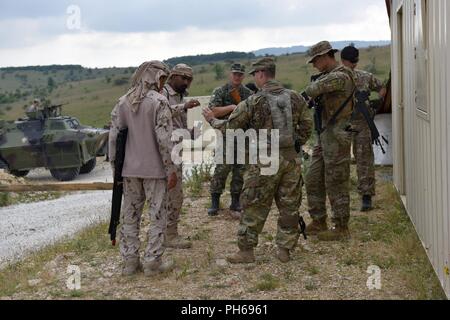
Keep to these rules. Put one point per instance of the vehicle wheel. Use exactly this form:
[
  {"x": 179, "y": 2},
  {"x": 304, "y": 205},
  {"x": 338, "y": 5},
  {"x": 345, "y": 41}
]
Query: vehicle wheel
[
  {"x": 88, "y": 166},
  {"x": 19, "y": 173},
  {"x": 66, "y": 174}
]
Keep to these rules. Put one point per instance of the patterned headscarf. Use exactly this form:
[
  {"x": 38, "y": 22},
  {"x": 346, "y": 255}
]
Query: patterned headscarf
[
  {"x": 145, "y": 78},
  {"x": 182, "y": 70}
]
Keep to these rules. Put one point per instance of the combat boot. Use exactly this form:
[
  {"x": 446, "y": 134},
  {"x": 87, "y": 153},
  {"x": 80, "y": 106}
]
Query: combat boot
[
  {"x": 338, "y": 233},
  {"x": 366, "y": 203},
  {"x": 131, "y": 267},
  {"x": 215, "y": 203},
  {"x": 157, "y": 267},
  {"x": 242, "y": 256},
  {"x": 173, "y": 240},
  {"x": 235, "y": 204},
  {"x": 283, "y": 255},
  {"x": 317, "y": 226}
]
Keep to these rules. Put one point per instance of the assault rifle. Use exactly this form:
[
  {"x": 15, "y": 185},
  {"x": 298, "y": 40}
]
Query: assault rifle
[
  {"x": 118, "y": 184},
  {"x": 361, "y": 98}
]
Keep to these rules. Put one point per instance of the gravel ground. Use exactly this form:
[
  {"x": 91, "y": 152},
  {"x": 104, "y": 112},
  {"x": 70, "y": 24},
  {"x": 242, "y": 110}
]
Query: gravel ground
[
  {"x": 101, "y": 173},
  {"x": 27, "y": 228}
]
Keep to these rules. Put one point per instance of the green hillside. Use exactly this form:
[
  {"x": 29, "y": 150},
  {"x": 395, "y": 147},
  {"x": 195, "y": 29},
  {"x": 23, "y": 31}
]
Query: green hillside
[{"x": 92, "y": 93}]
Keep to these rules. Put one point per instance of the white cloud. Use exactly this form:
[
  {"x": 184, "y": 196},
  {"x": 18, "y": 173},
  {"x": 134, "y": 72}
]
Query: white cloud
[{"x": 46, "y": 40}]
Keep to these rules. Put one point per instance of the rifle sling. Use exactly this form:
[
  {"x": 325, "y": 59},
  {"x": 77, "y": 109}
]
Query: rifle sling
[{"x": 332, "y": 120}]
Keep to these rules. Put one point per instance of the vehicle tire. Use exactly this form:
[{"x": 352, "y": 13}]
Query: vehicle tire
[
  {"x": 19, "y": 173},
  {"x": 88, "y": 166},
  {"x": 66, "y": 174}
]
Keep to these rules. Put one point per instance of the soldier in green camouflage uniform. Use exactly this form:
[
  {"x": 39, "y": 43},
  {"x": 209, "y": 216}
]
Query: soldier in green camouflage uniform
[
  {"x": 223, "y": 101},
  {"x": 362, "y": 139},
  {"x": 329, "y": 172},
  {"x": 273, "y": 107}
]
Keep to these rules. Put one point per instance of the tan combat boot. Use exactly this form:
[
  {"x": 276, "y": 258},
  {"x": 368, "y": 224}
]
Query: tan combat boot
[
  {"x": 283, "y": 255},
  {"x": 173, "y": 240},
  {"x": 338, "y": 233},
  {"x": 317, "y": 226},
  {"x": 242, "y": 256},
  {"x": 131, "y": 267},
  {"x": 157, "y": 267}
]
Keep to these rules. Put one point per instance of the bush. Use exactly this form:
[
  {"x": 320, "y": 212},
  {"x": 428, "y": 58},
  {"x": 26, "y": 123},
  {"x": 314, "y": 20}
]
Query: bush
[
  {"x": 199, "y": 175},
  {"x": 120, "y": 81}
]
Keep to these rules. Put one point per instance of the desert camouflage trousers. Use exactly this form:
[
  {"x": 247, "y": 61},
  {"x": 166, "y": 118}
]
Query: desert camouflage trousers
[
  {"x": 175, "y": 203},
  {"x": 329, "y": 174},
  {"x": 222, "y": 171},
  {"x": 257, "y": 197},
  {"x": 365, "y": 159},
  {"x": 136, "y": 192}
]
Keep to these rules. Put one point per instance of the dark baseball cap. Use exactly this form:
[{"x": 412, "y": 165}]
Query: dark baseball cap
[{"x": 350, "y": 53}]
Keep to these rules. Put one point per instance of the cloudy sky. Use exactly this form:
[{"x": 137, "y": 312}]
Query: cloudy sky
[{"x": 101, "y": 33}]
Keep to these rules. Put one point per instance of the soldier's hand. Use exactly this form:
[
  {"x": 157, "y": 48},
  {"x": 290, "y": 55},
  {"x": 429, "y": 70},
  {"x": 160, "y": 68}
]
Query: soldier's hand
[
  {"x": 172, "y": 182},
  {"x": 191, "y": 104},
  {"x": 208, "y": 114}
]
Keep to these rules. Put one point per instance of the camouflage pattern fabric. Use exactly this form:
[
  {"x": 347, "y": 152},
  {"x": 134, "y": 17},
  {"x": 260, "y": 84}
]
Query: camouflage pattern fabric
[
  {"x": 362, "y": 141},
  {"x": 136, "y": 192},
  {"x": 221, "y": 97},
  {"x": 175, "y": 203},
  {"x": 49, "y": 141},
  {"x": 285, "y": 186},
  {"x": 221, "y": 172},
  {"x": 329, "y": 172},
  {"x": 257, "y": 198},
  {"x": 334, "y": 87}
]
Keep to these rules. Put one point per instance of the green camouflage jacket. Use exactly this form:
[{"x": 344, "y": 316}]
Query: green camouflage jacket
[
  {"x": 365, "y": 81},
  {"x": 334, "y": 87},
  {"x": 221, "y": 96},
  {"x": 254, "y": 113}
]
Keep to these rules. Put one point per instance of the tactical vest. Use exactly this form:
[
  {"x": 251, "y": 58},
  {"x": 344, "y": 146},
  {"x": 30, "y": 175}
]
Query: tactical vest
[{"x": 281, "y": 111}]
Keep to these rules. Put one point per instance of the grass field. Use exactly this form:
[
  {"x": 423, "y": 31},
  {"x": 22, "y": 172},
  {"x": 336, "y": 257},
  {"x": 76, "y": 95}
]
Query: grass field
[
  {"x": 91, "y": 100},
  {"x": 384, "y": 237}
]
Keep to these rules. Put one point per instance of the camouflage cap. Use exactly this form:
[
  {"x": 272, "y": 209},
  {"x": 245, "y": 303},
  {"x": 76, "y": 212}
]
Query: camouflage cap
[
  {"x": 319, "y": 49},
  {"x": 263, "y": 64},
  {"x": 237, "y": 68},
  {"x": 182, "y": 70}
]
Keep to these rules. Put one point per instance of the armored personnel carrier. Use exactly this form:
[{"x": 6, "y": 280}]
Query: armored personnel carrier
[{"x": 47, "y": 139}]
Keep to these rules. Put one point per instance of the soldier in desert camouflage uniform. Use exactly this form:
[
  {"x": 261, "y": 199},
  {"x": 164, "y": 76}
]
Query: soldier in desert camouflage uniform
[
  {"x": 148, "y": 170},
  {"x": 362, "y": 139},
  {"x": 223, "y": 102},
  {"x": 175, "y": 90},
  {"x": 273, "y": 107},
  {"x": 329, "y": 172}
]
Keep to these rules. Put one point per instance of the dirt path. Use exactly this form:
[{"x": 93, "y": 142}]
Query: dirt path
[
  {"x": 338, "y": 270},
  {"x": 26, "y": 228}
]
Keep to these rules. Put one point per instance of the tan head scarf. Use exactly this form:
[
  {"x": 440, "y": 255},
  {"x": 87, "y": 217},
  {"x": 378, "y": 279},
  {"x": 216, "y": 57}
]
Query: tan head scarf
[
  {"x": 182, "y": 70},
  {"x": 145, "y": 78}
]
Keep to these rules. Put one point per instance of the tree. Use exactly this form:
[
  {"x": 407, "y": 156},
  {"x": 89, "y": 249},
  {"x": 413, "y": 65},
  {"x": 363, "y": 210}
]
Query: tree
[
  {"x": 219, "y": 71},
  {"x": 51, "y": 83}
]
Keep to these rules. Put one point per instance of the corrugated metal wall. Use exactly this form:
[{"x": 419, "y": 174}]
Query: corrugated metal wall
[{"x": 422, "y": 144}]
